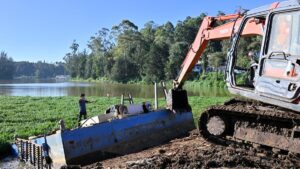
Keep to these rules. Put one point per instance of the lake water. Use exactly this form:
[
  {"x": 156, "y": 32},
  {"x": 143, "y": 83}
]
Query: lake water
[{"x": 54, "y": 88}]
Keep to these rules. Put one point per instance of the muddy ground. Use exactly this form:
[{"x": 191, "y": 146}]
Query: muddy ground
[{"x": 195, "y": 152}]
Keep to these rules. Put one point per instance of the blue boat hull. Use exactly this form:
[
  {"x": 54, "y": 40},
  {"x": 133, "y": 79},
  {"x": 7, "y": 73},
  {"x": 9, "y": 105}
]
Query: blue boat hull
[{"x": 119, "y": 137}]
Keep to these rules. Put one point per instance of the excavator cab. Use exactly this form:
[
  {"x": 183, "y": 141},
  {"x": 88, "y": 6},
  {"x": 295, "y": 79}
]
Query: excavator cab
[{"x": 272, "y": 78}]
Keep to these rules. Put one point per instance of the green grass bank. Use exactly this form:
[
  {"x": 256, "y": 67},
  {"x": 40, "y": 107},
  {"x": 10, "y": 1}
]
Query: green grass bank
[{"x": 28, "y": 116}]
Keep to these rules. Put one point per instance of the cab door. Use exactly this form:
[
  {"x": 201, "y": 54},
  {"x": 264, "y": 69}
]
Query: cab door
[{"x": 279, "y": 66}]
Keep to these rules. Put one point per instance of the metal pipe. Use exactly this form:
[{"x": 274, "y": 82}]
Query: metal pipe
[
  {"x": 122, "y": 99},
  {"x": 130, "y": 99},
  {"x": 155, "y": 97},
  {"x": 164, "y": 89}
]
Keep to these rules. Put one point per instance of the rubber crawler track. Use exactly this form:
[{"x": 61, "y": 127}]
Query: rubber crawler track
[{"x": 259, "y": 116}]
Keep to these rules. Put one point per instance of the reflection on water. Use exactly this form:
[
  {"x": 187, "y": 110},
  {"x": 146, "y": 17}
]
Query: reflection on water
[{"x": 59, "y": 88}]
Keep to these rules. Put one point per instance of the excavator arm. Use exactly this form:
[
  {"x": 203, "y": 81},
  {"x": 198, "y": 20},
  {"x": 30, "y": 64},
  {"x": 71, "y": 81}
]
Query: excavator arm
[
  {"x": 177, "y": 98},
  {"x": 207, "y": 32}
]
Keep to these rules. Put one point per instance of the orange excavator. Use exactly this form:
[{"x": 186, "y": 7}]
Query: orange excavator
[{"x": 268, "y": 109}]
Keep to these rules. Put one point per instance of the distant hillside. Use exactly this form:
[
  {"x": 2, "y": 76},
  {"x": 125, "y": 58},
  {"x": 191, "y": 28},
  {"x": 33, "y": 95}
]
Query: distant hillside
[
  {"x": 10, "y": 69},
  {"x": 39, "y": 69}
]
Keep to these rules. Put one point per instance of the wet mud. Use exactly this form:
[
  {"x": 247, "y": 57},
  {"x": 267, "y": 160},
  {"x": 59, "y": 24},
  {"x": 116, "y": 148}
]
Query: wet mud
[{"x": 195, "y": 152}]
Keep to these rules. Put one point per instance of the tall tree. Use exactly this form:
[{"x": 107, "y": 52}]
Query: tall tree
[
  {"x": 128, "y": 48},
  {"x": 124, "y": 70},
  {"x": 7, "y": 67},
  {"x": 177, "y": 52},
  {"x": 165, "y": 34},
  {"x": 155, "y": 63},
  {"x": 81, "y": 64},
  {"x": 186, "y": 30},
  {"x": 71, "y": 60}
]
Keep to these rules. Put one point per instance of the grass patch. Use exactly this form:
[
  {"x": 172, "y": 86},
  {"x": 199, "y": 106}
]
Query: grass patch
[{"x": 28, "y": 116}]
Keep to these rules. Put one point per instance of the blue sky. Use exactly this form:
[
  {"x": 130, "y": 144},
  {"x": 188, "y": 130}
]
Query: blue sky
[{"x": 35, "y": 30}]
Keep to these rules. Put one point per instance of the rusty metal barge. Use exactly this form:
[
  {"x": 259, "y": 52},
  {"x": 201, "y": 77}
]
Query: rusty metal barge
[{"x": 105, "y": 139}]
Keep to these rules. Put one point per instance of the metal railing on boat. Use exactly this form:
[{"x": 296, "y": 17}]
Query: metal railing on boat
[{"x": 31, "y": 153}]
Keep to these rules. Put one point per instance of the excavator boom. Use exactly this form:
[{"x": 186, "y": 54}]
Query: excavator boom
[{"x": 207, "y": 32}]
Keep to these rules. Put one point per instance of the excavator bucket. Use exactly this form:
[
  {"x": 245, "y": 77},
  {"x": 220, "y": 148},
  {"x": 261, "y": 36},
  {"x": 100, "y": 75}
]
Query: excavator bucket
[{"x": 177, "y": 100}]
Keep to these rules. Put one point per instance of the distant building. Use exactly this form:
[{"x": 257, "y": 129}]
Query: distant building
[{"x": 62, "y": 77}]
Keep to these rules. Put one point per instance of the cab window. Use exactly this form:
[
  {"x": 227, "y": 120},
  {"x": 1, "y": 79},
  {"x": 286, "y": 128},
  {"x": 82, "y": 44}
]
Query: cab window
[{"x": 285, "y": 34}]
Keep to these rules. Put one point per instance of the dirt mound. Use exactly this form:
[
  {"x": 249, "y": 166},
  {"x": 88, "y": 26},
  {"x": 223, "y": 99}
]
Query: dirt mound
[
  {"x": 195, "y": 152},
  {"x": 215, "y": 158}
]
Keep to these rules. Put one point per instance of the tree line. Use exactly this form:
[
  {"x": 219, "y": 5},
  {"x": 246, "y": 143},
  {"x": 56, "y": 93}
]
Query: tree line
[
  {"x": 126, "y": 53},
  {"x": 10, "y": 69}
]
